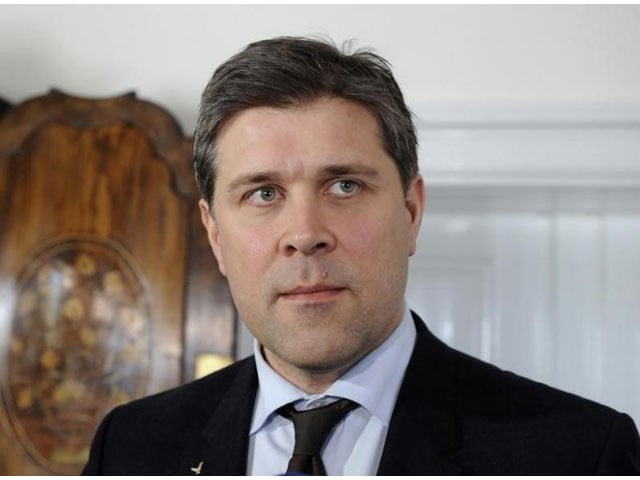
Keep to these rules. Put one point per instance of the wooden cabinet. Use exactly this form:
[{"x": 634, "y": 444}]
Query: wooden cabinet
[
  {"x": 108, "y": 289},
  {"x": 4, "y": 106}
]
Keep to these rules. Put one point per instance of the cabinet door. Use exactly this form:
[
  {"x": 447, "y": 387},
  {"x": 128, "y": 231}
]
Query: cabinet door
[{"x": 97, "y": 233}]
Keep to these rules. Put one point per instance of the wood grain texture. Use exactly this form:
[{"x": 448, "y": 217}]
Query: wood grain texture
[{"x": 112, "y": 172}]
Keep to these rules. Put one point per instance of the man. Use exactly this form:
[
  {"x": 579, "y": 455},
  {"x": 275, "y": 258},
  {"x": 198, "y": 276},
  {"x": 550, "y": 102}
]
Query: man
[{"x": 312, "y": 202}]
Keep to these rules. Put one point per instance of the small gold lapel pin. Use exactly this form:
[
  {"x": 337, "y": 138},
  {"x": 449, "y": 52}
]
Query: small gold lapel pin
[{"x": 197, "y": 470}]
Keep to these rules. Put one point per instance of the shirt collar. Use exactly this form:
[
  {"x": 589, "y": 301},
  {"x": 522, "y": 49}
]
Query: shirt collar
[{"x": 373, "y": 382}]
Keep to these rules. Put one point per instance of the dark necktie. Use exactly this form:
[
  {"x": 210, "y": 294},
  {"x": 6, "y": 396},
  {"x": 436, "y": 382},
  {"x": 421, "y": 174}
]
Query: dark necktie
[{"x": 312, "y": 429}]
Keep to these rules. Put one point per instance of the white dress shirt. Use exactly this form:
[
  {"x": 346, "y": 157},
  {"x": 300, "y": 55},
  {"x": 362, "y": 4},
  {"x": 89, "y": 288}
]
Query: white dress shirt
[{"x": 355, "y": 446}]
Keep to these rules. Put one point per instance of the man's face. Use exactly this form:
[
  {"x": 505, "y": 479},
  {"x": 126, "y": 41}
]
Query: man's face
[{"x": 313, "y": 230}]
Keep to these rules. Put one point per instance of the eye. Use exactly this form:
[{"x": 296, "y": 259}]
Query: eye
[
  {"x": 344, "y": 187},
  {"x": 264, "y": 196}
]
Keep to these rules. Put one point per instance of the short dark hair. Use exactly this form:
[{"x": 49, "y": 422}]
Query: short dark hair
[{"x": 289, "y": 71}]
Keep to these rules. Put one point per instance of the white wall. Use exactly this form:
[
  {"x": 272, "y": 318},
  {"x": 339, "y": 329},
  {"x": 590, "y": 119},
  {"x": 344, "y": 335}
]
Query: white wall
[
  {"x": 463, "y": 55},
  {"x": 529, "y": 123}
]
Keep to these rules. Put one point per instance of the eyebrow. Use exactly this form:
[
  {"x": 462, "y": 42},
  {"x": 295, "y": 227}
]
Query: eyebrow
[
  {"x": 253, "y": 179},
  {"x": 269, "y": 176},
  {"x": 349, "y": 169}
]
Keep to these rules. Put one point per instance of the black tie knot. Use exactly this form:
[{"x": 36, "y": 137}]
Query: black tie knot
[{"x": 312, "y": 428}]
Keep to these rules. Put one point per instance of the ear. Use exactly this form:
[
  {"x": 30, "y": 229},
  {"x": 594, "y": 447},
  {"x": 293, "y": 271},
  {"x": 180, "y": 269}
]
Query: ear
[
  {"x": 213, "y": 235},
  {"x": 414, "y": 203}
]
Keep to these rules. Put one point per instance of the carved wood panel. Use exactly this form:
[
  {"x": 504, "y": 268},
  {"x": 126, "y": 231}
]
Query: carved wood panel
[
  {"x": 4, "y": 106},
  {"x": 106, "y": 290}
]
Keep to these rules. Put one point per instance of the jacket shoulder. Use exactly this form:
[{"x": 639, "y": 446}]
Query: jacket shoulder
[
  {"x": 206, "y": 390},
  {"x": 504, "y": 423},
  {"x": 146, "y": 436},
  {"x": 479, "y": 378},
  {"x": 544, "y": 430}
]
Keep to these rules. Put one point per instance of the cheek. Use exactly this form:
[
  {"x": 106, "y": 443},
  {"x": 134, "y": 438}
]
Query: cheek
[
  {"x": 375, "y": 237},
  {"x": 246, "y": 250}
]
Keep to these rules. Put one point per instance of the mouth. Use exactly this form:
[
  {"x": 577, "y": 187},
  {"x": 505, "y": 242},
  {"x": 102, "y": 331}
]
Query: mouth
[{"x": 312, "y": 293}]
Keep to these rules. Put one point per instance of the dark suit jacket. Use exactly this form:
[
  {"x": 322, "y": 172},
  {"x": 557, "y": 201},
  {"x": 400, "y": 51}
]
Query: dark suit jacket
[{"x": 454, "y": 415}]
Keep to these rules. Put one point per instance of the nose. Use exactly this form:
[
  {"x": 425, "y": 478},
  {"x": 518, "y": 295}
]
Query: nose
[{"x": 307, "y": 230}]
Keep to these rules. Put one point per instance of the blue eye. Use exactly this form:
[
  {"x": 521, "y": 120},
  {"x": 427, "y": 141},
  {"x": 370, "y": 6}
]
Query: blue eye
[
  {"x": 264, "y": 196},
  {"x": 344, "y": 188}
]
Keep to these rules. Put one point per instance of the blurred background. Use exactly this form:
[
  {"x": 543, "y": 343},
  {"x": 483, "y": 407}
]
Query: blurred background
[{"x": 529, "y": 128}]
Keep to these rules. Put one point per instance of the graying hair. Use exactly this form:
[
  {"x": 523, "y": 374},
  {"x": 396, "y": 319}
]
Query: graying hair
[{"x": 290, "y": 71}]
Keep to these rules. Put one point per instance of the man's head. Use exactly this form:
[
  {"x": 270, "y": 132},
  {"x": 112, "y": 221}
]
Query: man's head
[
  {"x": 309, "y": 215},
  {"x": 288, "y": 71}
]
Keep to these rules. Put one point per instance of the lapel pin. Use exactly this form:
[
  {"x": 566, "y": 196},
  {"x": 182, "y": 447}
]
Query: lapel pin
[{"x": 197, "y": 470}]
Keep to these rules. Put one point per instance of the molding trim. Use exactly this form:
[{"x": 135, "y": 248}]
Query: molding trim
[
  {"x": 559, "y": 145},
  {"x": 464, "y": 199}
]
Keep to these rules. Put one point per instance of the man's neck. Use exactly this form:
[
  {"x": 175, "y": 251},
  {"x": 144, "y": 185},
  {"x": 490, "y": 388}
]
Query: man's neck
[{"x": 310, "y": 381}]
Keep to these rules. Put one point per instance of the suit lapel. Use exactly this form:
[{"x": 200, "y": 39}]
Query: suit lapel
[
  {"x": 222, "y": 446},
  {"x": 422, "y": 430},
  {"x": 421, "y": 435}
]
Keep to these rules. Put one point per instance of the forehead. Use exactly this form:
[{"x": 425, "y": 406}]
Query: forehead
[{"x": 301, "y": 137}]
